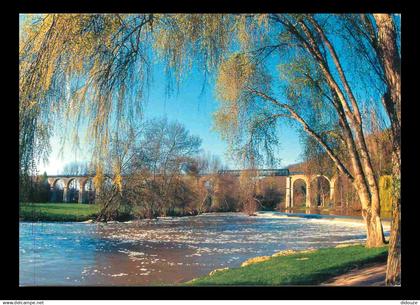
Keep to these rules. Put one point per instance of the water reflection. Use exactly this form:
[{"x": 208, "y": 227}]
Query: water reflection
[{"x": 166, "y": 250}]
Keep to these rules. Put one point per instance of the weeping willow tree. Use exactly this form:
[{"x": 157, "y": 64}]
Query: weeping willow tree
[
  {"x": 97, "y": 68},
  {"x": 377, "y": 39},
  {"x": 79, "y": 69},
  {"x": 321, "y": 93},
  {"x": 313, "y": 86}
]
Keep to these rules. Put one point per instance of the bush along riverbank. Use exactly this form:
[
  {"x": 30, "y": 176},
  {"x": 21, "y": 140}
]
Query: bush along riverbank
[{"x": 309, "y": 267}]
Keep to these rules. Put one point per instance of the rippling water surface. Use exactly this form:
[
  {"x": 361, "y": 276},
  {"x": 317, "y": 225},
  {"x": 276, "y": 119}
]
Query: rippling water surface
[{"x": 166, "y": 250}]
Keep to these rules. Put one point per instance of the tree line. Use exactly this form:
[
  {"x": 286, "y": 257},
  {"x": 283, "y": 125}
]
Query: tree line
[{"x": 161, "y": 171}]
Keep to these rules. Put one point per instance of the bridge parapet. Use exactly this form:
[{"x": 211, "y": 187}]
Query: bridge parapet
[
  {"x": 260, "y": 172},
  {"x": 296, "y": 173},
  {"x": 69, "y": 176}
]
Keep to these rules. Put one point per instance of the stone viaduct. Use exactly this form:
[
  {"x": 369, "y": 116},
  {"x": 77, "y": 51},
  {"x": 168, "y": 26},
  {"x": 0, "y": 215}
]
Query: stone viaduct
[
  {"x": 291, "y": 178},
  {"x": 86, "y": 188},
  {"x": 66, "y": 180}
]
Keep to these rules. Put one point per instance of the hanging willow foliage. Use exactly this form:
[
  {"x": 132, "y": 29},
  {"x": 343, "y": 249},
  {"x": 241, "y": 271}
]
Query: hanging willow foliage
[
  {"x": 96, "y": 68},
  {"x": 81, "y": 67}
]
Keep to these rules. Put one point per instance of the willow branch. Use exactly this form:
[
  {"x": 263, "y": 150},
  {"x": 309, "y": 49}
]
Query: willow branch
[{"x": 307, "y": 129}]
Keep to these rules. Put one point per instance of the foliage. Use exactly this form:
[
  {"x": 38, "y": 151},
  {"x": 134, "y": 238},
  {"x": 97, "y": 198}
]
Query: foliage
[
  {"x": 95, "y": 56},
  {"x": 204, "y": 164},
  {"x": 38, "y": 189},
  {"x": 317, "y": 162},
  {"x": 99, "y": 57},
  {"x": 247, "y": 191},
  {"x": 145, "y": 172},
  {"x": 224, "y": 194},
  {"x": 385, "y": 191},
  {"x": 299, "y": 193},
  {"x": 248, "y": 125},
  {"x": 98, "y": 180},
  {"x": 269, "y": 193}
]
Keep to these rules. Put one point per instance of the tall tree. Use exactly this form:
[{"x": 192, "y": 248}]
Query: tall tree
[
  {"x": 388, "y": 53},
  {"x": 146, "y": 168},
  {"x": 316, "y": 83},
  {"x": 377, "y": 39}
]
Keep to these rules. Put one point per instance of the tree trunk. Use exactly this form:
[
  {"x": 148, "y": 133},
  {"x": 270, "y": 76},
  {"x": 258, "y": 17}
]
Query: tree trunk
[
  {"x": 374, "y": 231},
  {"x": 374, "y": 225},
  {"x": 389, "y": 56},
  {"x": 393, "y": 270},
  {"x": 375, "y": 234}
]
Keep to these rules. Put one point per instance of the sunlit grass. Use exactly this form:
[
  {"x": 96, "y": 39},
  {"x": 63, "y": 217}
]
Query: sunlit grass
[
  {"x": 297, "y": 269},
  {"x": 57, "y": 211}
]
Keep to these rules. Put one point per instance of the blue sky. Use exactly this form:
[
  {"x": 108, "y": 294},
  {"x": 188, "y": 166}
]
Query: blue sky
[{"x": 191, "y": 107}]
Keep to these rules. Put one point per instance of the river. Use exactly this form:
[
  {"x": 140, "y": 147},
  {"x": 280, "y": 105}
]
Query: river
[{"x": 166, "y": 250}]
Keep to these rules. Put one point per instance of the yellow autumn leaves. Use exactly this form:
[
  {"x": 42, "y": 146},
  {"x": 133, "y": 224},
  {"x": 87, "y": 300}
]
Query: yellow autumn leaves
[
  {"x": 99, "y": 178},
  {"x": 234, "y": 75}
]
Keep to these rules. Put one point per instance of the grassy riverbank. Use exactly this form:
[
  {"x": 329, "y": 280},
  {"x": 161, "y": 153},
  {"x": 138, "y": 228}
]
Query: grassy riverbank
[
  {"x": 307, "y": 268},
  {"x": 75, "y": 212},
  {"x": 57, "y": 211}
]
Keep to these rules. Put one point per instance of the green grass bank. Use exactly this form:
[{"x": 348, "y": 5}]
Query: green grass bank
[
  {"x": 311, "y": 268},
  {"x": 57, "y": 211}
]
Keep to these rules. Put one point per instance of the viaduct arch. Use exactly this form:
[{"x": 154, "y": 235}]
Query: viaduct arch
[
  {"x": 66, "y": 180},
  {"x": 292, "y": 178}
]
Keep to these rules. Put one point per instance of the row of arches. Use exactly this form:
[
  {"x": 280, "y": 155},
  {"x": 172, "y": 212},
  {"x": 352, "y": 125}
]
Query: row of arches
[
  {"x": 313, "y": 190},
  {"x": 317, "y": 190},
  {"x": 81, "y": 190}
]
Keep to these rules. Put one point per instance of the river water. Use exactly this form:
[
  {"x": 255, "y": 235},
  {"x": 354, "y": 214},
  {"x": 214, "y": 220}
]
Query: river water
[{"x": 164, "y": 251}]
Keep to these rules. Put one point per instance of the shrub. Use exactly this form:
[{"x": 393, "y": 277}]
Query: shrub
[{"x": 385, "y": 192}]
